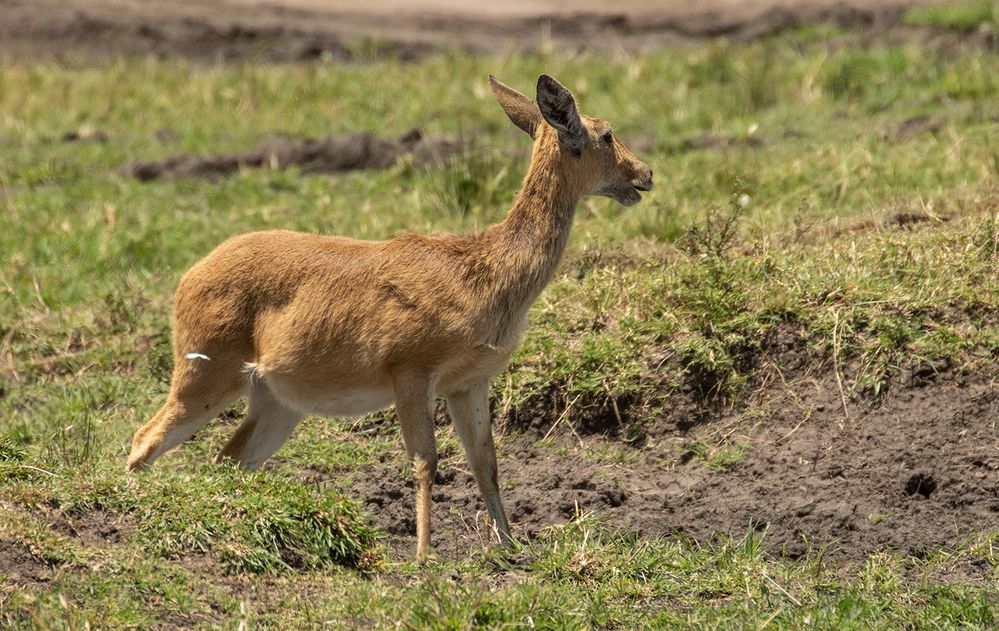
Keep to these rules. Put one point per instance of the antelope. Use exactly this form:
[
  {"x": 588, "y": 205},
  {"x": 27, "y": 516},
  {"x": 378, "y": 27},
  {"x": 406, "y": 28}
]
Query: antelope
[{"x": 310, "y": 324}]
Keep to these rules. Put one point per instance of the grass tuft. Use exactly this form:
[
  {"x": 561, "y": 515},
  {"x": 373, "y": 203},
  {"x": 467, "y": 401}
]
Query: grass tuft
[
  {"x": 249, "y": 522},
  {"x": 255, "y": 522},
  {"x": 11, "y": 450}
]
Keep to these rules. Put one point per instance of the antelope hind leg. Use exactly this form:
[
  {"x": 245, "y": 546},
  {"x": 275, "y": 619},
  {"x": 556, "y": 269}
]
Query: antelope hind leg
[
  {"x": 198, "y": 394},
  {"x": 269, "y": 423}
]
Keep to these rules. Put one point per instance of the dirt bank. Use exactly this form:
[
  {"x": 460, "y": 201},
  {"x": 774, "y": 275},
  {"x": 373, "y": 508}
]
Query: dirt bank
[
  {"x": 916, "y": 470},
  {"x": 359, "y": 150}
]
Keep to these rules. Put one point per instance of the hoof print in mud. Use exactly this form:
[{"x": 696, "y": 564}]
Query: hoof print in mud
[
  {"x": 522, "y": 509},
  {"x": 921, "y": 483},
  {"x": 615, "y": 497}
]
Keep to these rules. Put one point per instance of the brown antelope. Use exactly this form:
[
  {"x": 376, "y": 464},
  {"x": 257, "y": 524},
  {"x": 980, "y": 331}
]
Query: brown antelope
[{"x": 310, "y": 324}]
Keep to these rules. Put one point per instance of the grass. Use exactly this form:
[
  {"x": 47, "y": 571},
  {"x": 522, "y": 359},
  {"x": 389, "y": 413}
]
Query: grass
[
  {"x": 718, "y": 457},
  {"x": 248, "y": 522},
  {"x": 801, "y": 230},
  {"x": 957, "y": 16},
  {"x": 573, "y": 576},
  {"x": 710, "y": 316}
]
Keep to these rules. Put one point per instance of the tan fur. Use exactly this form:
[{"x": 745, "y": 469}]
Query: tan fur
[{"x": 310, "y": 324}]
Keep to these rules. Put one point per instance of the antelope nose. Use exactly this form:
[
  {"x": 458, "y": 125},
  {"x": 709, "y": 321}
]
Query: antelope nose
[{"x": 643, "y": 184}]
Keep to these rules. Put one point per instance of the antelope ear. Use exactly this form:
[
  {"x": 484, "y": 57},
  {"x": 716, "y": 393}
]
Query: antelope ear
[
  {"x": 521, "y": 110},
  {"x": 559, "y": 109}
]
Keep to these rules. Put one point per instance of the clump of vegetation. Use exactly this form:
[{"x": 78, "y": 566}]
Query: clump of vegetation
[
  {"x": 255, "y": 522},
  {"x": 718, "y": 457},
  {"x": 248, "y": 522},
  {"x": 12, "y": 454},
  {"x": 11, "y": 450}
]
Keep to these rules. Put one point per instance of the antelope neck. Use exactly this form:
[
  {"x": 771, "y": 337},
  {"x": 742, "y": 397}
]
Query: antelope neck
[{"x": 534, "y": 235}]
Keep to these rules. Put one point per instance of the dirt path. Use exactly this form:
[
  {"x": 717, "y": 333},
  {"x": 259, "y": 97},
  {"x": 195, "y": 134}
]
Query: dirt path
[{"x": 299, "y": 29}]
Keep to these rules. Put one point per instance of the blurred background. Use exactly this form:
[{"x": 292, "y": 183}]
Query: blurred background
[{"x": 297, "y": 29}]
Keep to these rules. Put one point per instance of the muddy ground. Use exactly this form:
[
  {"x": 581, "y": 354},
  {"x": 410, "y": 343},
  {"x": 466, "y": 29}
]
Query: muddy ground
[
  {"x": 916, "y": 470},
  {"x": 359, "y": 150},
  {"x": 280, "y": 30}
]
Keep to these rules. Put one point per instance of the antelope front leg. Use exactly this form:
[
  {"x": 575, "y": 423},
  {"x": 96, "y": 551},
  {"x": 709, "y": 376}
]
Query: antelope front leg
[
  {"x": 469, "y": 412},
  {"x": 412, "y": 404}
]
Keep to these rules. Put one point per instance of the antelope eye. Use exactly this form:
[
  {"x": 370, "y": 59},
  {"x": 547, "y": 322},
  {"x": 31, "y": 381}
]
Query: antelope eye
[{"x": 608, "y": 137}]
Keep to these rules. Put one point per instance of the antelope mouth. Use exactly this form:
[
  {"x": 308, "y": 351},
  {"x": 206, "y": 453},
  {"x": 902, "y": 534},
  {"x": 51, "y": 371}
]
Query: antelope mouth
[
  {"x": 626, "y": 194},
  {"x": 629, "y": 197}
]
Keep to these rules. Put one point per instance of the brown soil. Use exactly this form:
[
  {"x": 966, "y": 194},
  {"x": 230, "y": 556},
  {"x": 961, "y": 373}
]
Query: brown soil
[
  {"x": 918, "y": 470},
  {"x": 912, "y": 127},
  {"x": 361, "y": 150},
  {"x": 337, "y": 29},
  {"x": 20, "y": 566},
  {"x": 96, "y": 528},
  {"x": 713, "y": 141}
]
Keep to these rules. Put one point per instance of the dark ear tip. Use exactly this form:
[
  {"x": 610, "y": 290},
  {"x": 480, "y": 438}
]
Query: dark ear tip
[
  {"x": 549, "y": 87},
  {"x": 492, "y": 79}
]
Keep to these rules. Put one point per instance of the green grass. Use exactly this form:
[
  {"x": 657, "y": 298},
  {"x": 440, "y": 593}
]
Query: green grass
[
  {"x": 573, "y": 576},
  {"x": 718, "y": 457},
  {"x": 249, "y": 522},
  {"x": 957, "y": 16},
  {"x": 799, "y": 233}
]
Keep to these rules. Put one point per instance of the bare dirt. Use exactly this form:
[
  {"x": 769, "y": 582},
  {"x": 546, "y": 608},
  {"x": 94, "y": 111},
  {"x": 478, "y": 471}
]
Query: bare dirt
[
  {"x": 96, "y": 528},
  {"x": 281, "y": 30},
  {"x": 20, "y": 566},
  {"x": 912, "y": 127},
  {"x": 910, "y": 473},
  {"x": 360, "y": 150}
]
